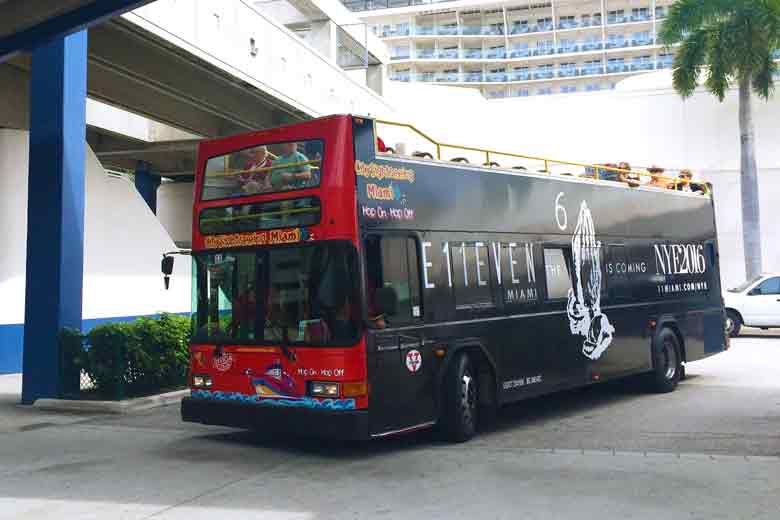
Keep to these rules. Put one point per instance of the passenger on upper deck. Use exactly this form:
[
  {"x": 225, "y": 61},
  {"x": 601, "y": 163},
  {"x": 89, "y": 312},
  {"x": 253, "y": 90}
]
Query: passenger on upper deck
[
  {"x": 656, "y": 178},
  {"x": 251, "y": 180},
  {"x": 629, "y": 178},
  {"x": 296, "y": 175},
  {"x": 684, "y": 177}
]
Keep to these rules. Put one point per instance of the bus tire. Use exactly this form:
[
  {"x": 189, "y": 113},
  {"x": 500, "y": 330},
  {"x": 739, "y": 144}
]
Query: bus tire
[
  {"x": 733, "y": 323},
  {"x": 461, "y": 400},
  {"x": 667, "y": 362}
]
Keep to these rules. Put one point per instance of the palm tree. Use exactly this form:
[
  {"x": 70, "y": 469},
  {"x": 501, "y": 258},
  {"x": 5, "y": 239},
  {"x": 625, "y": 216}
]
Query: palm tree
[{"x": 729, "y": 41}]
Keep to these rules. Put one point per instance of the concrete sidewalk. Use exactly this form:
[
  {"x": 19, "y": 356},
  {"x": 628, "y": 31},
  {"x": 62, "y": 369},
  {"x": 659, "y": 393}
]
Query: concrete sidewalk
[{"x": 16, "y": 417}]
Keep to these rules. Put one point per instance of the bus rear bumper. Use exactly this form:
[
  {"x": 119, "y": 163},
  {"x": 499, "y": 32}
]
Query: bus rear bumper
[{"x": 337, "y": 424}]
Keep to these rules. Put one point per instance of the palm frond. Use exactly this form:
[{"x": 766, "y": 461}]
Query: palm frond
[
  {"x": 721, "y": 57},
  {"x": 686, "y": 16},
  {"x": 689, "y": 61},
  {"x": 763, "y": 77}
]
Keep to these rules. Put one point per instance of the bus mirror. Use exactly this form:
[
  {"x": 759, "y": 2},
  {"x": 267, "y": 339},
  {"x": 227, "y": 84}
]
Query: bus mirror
[
  {"x": 386, "y": 301},
  {"x": 167, "y": 268}
]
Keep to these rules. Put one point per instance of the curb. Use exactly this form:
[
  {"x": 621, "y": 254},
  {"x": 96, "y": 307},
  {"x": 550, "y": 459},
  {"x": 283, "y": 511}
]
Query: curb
[{"x": 127, "y": 406}]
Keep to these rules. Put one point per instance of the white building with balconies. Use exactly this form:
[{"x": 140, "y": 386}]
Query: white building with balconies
[{"x": 519, "y": 48}]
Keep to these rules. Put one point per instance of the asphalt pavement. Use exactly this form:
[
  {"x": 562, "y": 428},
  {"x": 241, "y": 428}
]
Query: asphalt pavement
[{"x": 710, "y": 450}]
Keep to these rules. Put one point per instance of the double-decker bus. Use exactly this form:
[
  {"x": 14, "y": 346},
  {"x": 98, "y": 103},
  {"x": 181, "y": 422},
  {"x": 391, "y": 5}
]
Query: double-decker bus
[{"x": 341, "y": 291}]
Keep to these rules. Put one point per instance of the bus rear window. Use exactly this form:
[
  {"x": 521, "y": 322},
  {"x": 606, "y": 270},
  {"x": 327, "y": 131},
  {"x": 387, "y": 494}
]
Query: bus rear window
[
  {"x": 259, "y": 216},
  {"x": 270, "y": 168}
]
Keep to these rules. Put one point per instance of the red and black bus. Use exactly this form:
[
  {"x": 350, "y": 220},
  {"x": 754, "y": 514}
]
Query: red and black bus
[{"x": 340, "y": 291}]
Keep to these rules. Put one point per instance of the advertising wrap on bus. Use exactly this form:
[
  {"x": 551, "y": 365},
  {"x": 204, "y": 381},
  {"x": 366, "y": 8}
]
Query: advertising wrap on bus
[{"x": 371, "y": 290}]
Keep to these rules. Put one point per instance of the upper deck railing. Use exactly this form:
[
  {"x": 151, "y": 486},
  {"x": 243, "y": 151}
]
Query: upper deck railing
[{"x": 594, "y": 172}]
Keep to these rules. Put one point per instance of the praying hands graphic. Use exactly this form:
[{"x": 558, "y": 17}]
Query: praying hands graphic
[{"x": 584, "y": 306}]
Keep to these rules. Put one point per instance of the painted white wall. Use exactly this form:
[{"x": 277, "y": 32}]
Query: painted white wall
[
  {"x": 174, "y": 210},
  {"x": 285, "y": 66},
  {"x": 643, "y": 122},
  {"x": 123, "y": 243}
]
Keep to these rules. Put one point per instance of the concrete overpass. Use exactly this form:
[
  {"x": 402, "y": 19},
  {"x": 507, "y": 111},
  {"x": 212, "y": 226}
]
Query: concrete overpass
[{"x": 202, "y": 69}]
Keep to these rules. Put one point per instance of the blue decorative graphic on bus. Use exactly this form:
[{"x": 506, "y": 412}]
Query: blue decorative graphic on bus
[{"x": 302, "y": 402}]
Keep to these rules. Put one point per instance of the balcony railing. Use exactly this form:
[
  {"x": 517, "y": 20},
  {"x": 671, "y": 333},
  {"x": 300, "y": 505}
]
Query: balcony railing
[
  {"x": 565, "y": 49},
  {"x": 641, "y": 17},
  {"x": 425, "y": 54},
  {"x": 592, "y": 46},
  {"x": 613, "y": 19},
  {"x": 543, "y": 51},
  {"x": 472, "y": 77},
  {"x": 614, "y": 68},
  {"x": 472, "y": 54},
  {"x": 448, "y": 77},
  {"x": 496, "y": 94},
  {"x": 523, "y": 52},
  {"x": 396, "y": 31},
  {"x": 449, "y": 54},
  {"x": 567, "y": 72},
  {"x": 426, "y": 76},
  {"x": 568, "y": 24},
  {"x": 515, "y": 28},
  {"x": 449, "y": 30},
  {"x": 470, "y": 30},
  {"x": 496, "y": 76},
  {"x": 616, "y": 44},
  {"x": 400, "y": 56},
  {"x": 590, "y": 71},
  {"x": 542, "y": 27},
  {"x": 493, "y": 30},
  {"x": 496, "y": 54},
  {"x": 642, "y": 66},
  {"x": 544, "y": 74},
  {"x": 664, "y": 64},
  {"x": 400, "y": 77},
  {"x": 520, "y": 76},
  {"x": 642, "y": 41}
]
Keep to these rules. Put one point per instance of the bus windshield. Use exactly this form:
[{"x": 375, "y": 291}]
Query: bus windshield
[
  {"x": 305, "y": 294},
  {"x": 270, "y": 168}
]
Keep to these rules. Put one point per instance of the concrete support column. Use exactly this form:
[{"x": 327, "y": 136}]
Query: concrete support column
[
  {"x": 147, "y": 184},
  {"x": 55, "y": 209}
]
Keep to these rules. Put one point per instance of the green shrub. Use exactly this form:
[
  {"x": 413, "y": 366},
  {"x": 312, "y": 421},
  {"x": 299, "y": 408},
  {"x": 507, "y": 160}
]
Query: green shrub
[{"x": 127, "y": 359}]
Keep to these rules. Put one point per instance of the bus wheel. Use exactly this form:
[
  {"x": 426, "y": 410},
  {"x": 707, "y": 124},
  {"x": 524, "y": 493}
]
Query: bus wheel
[
  {"x": 460, "y": 413},
  {"x": 667, "y": 364},
  {"x": 733, "y": 323}
]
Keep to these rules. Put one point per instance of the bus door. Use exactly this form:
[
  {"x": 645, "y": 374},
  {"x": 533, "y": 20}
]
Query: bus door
[{"x": 400, "y": 367}]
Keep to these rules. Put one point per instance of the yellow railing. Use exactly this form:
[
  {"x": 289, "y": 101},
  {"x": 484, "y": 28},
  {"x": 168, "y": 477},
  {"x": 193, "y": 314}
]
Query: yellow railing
[
  {"x": 631, "y": 176},
  {"x": 234, "y": 173}
]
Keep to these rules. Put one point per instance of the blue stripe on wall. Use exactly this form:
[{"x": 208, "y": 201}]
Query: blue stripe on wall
[{"x": 12, "y": 339}]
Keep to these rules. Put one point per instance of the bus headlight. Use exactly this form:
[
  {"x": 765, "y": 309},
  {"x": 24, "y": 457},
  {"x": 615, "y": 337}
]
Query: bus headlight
[
  {"x": 201, "y": 381},
  {"x": 317, "y": 389}
]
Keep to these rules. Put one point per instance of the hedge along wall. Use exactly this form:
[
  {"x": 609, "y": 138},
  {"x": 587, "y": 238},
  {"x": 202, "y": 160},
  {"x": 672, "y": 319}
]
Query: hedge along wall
[{"x": 118, "y": 360}]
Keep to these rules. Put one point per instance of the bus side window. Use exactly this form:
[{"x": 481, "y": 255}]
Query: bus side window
[
  {"x": 392, "y": 261},
  {"x": 472, "y": 277},
  {"x": 557, "y": 262}
]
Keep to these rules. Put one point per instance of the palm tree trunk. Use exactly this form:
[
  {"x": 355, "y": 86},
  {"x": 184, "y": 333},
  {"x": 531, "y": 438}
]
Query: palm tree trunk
[{"x": 751, "y": 223}]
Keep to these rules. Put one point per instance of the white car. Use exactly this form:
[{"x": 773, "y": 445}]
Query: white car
[{"x": 755, "y": 304}]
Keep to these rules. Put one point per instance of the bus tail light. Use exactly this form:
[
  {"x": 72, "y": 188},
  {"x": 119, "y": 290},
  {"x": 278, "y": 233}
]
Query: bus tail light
[
  {"x": 358, "y": 389},
  {"x": 317, "y": 389}
]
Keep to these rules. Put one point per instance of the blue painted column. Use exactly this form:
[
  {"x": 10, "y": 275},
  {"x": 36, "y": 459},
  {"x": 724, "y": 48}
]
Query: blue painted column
[
  {"x": 55, "y": 209},
  {"x": 147, "y": 184}
]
